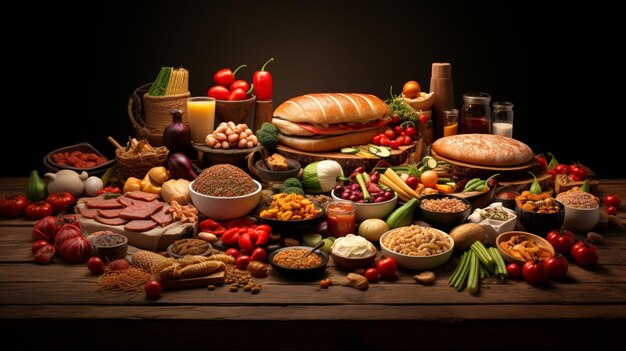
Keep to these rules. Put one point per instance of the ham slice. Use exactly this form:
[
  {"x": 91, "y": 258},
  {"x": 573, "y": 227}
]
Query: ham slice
[
  {"x": 103, "y": 204},
  {"x": 125, "y": 201},
  {"x": 114, "y": 213},
  {"x": 163, "y": 217},
  {"x": 142, "y": 196},
  {"x": 87, "y": 212},
  {"x": 140, "y": 225},
  {"x": 111, "y": 221},
  {"x": 143, "y": 211}
]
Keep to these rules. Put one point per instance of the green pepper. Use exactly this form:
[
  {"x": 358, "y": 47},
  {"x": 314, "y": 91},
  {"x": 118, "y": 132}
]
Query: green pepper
[
  {"x": 585, "y": 186},
  {"x": 553, "y": 162},
  {"x": 535, "y": 188}
]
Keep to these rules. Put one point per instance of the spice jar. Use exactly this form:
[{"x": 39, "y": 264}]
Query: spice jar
[
  {"x": 340, "y": 218},
  {"x": 502, "y": 119},
  {"x": 476, "y": 114}
]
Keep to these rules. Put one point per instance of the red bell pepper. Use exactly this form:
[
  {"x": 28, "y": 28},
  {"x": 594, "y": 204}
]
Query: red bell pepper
[
  {"x": 263, "y": 232},
  {"x": 231, "y": 236},
  {"x": 245, "y": 243},
  {"x": 225, "y": 77},
  {"x": 208, "y": 225},
  {"x": 219, "y": 92},
  {"x": 109, "y": 189},
  {"x": 262, "y": 81},
  {"x": 219, "y": 230},
  {"x": 240, "y": 222}
]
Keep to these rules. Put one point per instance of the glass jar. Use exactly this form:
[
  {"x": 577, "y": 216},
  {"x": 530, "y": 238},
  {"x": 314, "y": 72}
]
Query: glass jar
[
  {"x": 450, "y": 122},
  {"x": 476, "y": 114},
  {"x": 502, "y": 119},
  {"x": 340, "y": 218}
]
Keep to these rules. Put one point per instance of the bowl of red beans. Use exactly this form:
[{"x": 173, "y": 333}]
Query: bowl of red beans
[{"x": 79, "y": 157}]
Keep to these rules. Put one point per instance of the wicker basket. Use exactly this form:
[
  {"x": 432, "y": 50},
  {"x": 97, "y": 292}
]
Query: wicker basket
[{"x": 136, "y": 164}]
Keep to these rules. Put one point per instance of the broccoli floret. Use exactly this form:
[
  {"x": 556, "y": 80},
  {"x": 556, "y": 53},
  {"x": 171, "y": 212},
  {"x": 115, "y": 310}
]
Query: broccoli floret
[
  {"x": 268, "y": 127},
  {"x": 292, "y": 182},
  {"x": 267, "y": 139},
  {"x": 293, "y": 190}
]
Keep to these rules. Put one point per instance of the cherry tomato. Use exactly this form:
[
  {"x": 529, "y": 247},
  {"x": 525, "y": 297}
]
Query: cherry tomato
[
  {"x": 579, "y": 171},
  {"x": 410, "y": 131},
  {"x": 372, "y": 275},
  {"x": 233, "y": 252},
  {"x": 109, "y": 189},
  {"x": 397, "y": 130},
  {"x": 612, "y": 211},
  {"x": 561, "y": 169},
  {"x": 95, "y": 264},
  {"x": 429, "y": 179},
  {"x": 562, "y": 240},
  {"x": 153, "y": 289},
  {"x": 552, "y": 173},
  {"x": 38, "y": 245},
  {"x": 412, "y": 182},
  {"x": 376, "y": 139},
  {"x": 424, "y": 118},
  {"x": 395, "y": 119},
  {"x": 60, "y": 201},
  {"x": 411, "y": 89},
  {"x": 384, "y": 141},
  {"x": 535, "y": 272},
  {"x": 612, "y": 200},
  {"x": 542, "y": 162},
  {"x": 395, "y": 144},
  {"x": 390, "y": 133},
  {"x": 556, "y": 266},
  {"x": 387, "y": 267},
  {"x": 574, "y": 178},
  {"x": 258, "y": 254},
  {"x": 242, "y": 261},
  {"x": 38, "y": 210},
  {"x": 13, "y": 206},
  {"x": 406, "y": 140},
  {"x": 513, "y": 270},
  {"x": 584, "y": 254}
]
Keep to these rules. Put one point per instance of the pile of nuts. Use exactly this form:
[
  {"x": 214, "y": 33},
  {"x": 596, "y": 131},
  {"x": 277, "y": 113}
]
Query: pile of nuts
[
  {"x": 230, "y": 136},
  {"x": 241, "y": 279}
]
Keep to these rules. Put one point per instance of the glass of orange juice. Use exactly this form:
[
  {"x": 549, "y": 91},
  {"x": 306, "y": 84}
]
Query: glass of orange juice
[
  {"x": 200, "y": 117},
  {"x": 450, "y": 122}
]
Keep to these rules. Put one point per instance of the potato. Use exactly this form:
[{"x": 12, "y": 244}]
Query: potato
[{"x": 465, "y": 235}]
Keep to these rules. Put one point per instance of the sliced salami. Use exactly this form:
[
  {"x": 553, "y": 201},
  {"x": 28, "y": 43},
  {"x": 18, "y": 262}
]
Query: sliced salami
[
  {"x": 140, "y": 225},
  {"x": 125, "y": 201},
  {"x": 141, "y": 211},
  {"x": 87, "y": 212},
  {"x": 103, "y": 204},
  {"x": 142, "y": 196},
  {"x": 114, "y": 213},
  {"x": 111, "y": 221},
  {"x": 163, "y": 217}
]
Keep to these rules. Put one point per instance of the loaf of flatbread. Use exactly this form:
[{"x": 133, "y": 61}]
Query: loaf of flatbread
[{"x": 484, "y": 150}]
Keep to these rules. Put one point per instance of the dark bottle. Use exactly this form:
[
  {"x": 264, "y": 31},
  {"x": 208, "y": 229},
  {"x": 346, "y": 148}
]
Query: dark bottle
[{"x": 476, "y": 114}]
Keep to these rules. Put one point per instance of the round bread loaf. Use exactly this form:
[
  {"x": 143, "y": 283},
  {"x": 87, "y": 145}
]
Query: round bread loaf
[{"x": 484, "y": 150}]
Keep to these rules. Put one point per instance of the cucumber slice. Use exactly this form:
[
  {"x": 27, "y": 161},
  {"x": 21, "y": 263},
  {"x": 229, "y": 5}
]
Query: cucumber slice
[
  {"x": 350, "y": 150},
  {"x": 429, "y": 162},
  {"x": 379, "y": 151}
]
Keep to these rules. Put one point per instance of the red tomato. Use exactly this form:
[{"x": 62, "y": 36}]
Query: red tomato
[
  {"x": 38, "y": 245},
  {"x": 574, "y": 178},
  {"x": 394, "y": 144},
  {"x": 580, "y": 171},
  {"x": 562, "y": 240},
  {"x": 424, "y": 119},
  {"x": 384, "y": 141},
  {"x": 120, "y": 264},
  {"x": 387, "y": 267},
  {"x": 552, "y": 173},
  {"x": 60, "y": 201},
  {"x": 153, "y": 289},
  {"x": 38, "y": 210},
  {"x": 397, "y": 130},
  {"x": 584, "y": 254},
  {"x": 395, "y": 119},
  {"x": 611, "y": 210},
  {"x": 542, "y": 162},
  {"x": 109, "y": 189},
  {"x": 45, "y": 254},
  {"x": 258, "y": 254},
  {"x": 406, "y": 140},
  {"x": 412, "y": 182},
  {"x": 410, "y": 131},
  {"x": 233, "y": 252},
  {"x": 95, "y": 264},
  {"x": 556, "y": 266},
  {"x": 372, "y": 275},
  {"x": 561, "y": 169},
  {"x": 535, "y": 272},
  {"x": 242, "y": 261},
  {"x": 13, "y": 206},
  {"x": 612, "y": 200},
  {"x": 390, "y": 133},
  {"x": 376, "y": 139},
  {"x": 513, "y": 270}
]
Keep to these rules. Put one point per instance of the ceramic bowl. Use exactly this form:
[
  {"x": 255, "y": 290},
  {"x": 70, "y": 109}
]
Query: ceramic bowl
[
  {"x": 581, "y": 220},
  {"x": 372, "y": 210},
  {"x": 235, "y": 110},
  {"x": 540, "y": 223},
  {"x": 277, "y": 176},
  {"x": 444, "y": 220},
  {"x": 417, "y": 262},
  {"x": 299, "y": 273},
  {"x": 524, "y": 236},
  {"x": 223, "y": 208}
]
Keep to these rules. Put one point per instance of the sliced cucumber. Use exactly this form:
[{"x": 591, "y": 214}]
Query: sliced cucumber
[
  {"x": 350, "y": 150},
  {"x": 429, "y": 162},
  {"x": 379, "y": 151}
]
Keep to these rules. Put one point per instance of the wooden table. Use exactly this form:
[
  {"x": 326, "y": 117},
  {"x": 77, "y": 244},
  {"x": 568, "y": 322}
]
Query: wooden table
[{"x": 58, "y": 304}]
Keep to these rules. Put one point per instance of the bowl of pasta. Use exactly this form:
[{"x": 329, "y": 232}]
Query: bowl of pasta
[{"x": 416, "y": 247}]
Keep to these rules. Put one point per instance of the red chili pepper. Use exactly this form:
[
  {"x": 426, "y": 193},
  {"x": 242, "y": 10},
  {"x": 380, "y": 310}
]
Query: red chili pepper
[
  {"x": 245, "y": 243},
  {"x": 219, "y": 92},
  {"x": 240, "y": 84},
  {"x": 237, "y": 94},
  {"x": 109, "y": 189},
  {"x": 263, "y": 232},
  {"x": 231, "y": 236},
  {"x": 240, "y": 222},
  {"x": 208, "y": 225},
  {"x": 262, "y": 80},
  {"x": 253, "y": 234},
  {"x": 219, "y": 230},
  {"x": 225, "y": 77}
]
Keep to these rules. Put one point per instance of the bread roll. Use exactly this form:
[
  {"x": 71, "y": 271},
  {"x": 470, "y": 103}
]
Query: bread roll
[
  {"x": 484, "y": 150},
  {"x": 329, "y": 143}
]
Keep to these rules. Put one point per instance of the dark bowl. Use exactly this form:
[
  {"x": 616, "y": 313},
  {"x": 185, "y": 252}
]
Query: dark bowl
[
  {"x": 82, "y": 147},
  {"x": 107, "y": 251},
  {"x": 540, "y": 223},
  {"x": 277, "y": 176},
  {"x": 295, "y": 226},
  {"x": 508, "y": 203},
  {"x": 171, "y": 253},
  {"x": 300, "y": 273},
  {"x": 444, "y": 220}
]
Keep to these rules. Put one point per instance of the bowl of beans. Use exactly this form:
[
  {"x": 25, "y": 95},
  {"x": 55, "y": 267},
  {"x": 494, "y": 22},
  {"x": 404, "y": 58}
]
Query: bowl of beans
[
  {"x": 109, "y": 246},
  {"x": 78, "y": 157},
  {"x": 582, "y": 210},
  {"x": 444, "y": 211},
  {"x": 416, "y": 247},
  {"x": 539, "y": 213},
  {"x": 290, "y": 261}
]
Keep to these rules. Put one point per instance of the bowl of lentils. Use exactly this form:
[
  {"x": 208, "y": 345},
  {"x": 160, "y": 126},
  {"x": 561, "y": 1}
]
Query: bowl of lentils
[
  {"x": 290, "y": 261},
  {"x": 225, "y": 192},
  {"x": 444, "y": 211}
]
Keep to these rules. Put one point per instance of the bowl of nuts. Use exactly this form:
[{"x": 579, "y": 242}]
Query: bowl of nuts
[
  {"x": 444, "y": 211},
  {"x": 416, "y": 247},
  {"x": 539, "y": 213}
]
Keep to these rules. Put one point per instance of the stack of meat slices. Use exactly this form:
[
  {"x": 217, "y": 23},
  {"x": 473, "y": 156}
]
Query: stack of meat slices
[{"x": 136, "y": 211}]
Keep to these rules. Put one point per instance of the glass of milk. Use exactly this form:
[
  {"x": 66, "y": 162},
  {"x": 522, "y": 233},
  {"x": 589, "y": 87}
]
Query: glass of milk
[{"x": 502, "y": 119}]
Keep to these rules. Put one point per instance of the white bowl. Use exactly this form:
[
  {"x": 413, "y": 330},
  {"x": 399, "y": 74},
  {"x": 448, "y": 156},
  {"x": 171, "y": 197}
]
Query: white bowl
[
  {"x": 417, "y": 262},
  {"x": 372, "y": 210},
  {"x": 581, "y": 219},
  {"x": 223, "y": 208}
]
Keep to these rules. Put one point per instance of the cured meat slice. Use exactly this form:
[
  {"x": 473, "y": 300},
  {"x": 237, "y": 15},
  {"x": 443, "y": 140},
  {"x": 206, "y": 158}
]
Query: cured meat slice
[
  {"x": 114, "y": 213},
  {"x": 125, "y": 201},
  {"x": 111, "y": 221},
  {"x": 103, "y": 204},
  {"x": 143, "y": 211},
  {"x": 140, "y": 225},
  {"x": 163, "y": 217},
  {"x": 140, "y": 195},
  {"x": 87, "y": 212}
]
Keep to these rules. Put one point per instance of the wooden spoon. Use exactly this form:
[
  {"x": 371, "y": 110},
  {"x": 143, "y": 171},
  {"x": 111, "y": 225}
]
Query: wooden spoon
[{"x": 321, "y": 243}]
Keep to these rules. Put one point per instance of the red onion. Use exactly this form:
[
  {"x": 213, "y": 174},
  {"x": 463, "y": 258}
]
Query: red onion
[
  {"x": 76, "y": 250},
  {"x": 176, "y": 136},
  {"x": 65, "y": 233},
  {"x": 180, "y": 167},
  {"x": 46, "y": 229}
]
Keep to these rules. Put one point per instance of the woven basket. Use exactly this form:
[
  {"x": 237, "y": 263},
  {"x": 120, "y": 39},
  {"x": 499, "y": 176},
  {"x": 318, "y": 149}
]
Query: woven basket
[{"x": 137, "y": 164}]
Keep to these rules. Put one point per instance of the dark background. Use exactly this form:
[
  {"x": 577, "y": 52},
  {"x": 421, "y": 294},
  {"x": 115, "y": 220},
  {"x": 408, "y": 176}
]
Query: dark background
[{"x": 80, "y": 64}]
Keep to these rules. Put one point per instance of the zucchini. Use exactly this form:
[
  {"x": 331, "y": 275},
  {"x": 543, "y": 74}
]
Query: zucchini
[
  {"x": 36, "y": 189},
  {"x": 403, "y": 215},
  {"x": 350, "y": 150},
  {"x": 379, "y": 151}
]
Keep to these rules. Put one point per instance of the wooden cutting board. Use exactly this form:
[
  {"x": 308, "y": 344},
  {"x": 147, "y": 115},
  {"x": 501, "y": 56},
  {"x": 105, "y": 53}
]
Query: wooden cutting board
[{"x": 216, "y": 278}]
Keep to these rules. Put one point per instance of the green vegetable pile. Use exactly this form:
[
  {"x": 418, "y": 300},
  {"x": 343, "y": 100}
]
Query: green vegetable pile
[
  {"x": 477, "y": 263},
  {"x": 400, "y": 108},
  {"x": 268, "y": 135}
]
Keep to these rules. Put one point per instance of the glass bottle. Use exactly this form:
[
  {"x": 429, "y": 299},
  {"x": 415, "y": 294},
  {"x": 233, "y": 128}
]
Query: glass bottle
[
  {"x": 476, "y": 114},
  {"x": 502, "y": 119}
]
